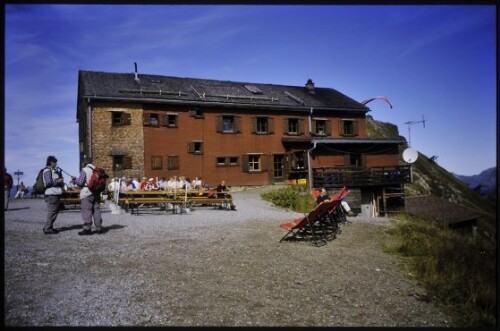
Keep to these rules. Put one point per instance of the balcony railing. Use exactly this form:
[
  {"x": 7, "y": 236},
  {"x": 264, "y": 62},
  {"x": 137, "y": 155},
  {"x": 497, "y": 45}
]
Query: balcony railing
[{"x": 335, "y": 177}]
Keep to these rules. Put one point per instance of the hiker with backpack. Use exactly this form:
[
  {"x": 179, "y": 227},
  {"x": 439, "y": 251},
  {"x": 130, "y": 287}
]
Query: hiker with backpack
[
  {"x": 53, "y": 182},
  {"x": 92, "y": 180}
]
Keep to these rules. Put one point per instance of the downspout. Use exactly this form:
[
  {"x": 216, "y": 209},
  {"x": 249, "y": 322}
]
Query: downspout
[
  {"x": 89, "y": 119},
  {"x": 309, "y": 170},
  {"x": 310, "y": 120}
]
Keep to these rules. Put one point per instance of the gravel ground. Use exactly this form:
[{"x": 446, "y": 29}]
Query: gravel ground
[{"x": 206, "y": 268}]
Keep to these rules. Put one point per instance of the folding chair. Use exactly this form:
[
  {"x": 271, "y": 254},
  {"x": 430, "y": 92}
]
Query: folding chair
[{"x": 312, "y": 226}]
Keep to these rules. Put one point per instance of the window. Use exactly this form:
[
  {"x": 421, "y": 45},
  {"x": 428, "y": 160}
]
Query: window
[
  {"x": 348, "y": 128},
  {"x": 119, "y": 118},
  {"x": 169, "y": 120},
  {"x": 253, "y": 162},
  {"x": 122, "y": 162},
  {"x": 233, "y": 160},
  {"x": 298, "y": 161},
  {"x": 262, "y": 125},
  {"x": 228, "y": 124},
  {"x": 227, "y": 161},
  {"x": 354, "y": 160},
  {"x": 196, "y": 113},
  {"x": 150, "y": 119},
  {"x": 173, "y": 162},
  {"x": 195, "y": 147},
  {"x": 221, "y": 161},
  {"x": 321, "y": 127},
  {"x": 293, "y": 126},
  {"x": 156, "y": 162}
]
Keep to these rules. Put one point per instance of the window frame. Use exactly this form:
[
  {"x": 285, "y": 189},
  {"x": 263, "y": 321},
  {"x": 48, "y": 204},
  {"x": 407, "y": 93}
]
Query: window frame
[{"x": 156, "y": 162}]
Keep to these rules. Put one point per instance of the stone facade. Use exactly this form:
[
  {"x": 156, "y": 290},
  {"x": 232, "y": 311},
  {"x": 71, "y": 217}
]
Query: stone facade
[{"x": 127, "y": 140}]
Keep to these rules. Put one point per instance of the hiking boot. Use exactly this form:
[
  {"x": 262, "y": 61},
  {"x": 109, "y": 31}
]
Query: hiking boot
[
  {"x": 85, "y": 232},
  {"x": 50, "y": 231},
  {"x": 350, "y": 213}
]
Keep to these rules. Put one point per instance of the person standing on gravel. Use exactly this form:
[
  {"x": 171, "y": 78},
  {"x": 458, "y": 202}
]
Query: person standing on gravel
[
  {"x": 54, "y": 183},
  {"x": 90, "y": 201},
  {"x": 7, "y": 185}
]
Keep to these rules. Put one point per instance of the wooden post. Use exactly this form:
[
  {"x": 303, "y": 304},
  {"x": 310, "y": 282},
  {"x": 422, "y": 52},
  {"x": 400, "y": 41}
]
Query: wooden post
[{"x": 384, "y": 201}]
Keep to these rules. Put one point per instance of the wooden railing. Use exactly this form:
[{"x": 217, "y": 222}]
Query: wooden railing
[{"x": 334, "y": 177}]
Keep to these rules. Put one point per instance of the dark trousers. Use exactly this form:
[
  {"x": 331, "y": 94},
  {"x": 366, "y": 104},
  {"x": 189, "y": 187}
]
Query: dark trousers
[{"x": 52, "y": 210}]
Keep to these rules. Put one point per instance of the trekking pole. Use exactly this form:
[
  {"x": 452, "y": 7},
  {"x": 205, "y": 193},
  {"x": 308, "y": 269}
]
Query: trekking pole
[{"x": 59, "y": 168}]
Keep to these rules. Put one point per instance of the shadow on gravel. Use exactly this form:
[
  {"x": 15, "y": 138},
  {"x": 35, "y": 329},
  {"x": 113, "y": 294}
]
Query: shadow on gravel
[
  {"x": 80, "y": 226},
  {"x": 21, "y": 208},
  {"x": 105, "y": 229}
]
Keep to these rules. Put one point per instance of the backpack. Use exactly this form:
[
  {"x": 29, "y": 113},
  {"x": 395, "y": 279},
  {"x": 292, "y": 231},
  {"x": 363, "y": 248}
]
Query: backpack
[
  {"x": 39, "y": 187},
  {"x": 97, "y": 181}
]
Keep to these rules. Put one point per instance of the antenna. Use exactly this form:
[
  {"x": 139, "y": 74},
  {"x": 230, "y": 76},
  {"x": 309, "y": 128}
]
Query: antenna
[{"x": 410, "y": 123}]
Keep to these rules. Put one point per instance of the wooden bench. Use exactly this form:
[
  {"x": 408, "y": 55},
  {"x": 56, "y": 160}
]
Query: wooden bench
[
  {"x": 135, "y": 199},
  {"x": 70, "y": 198}
]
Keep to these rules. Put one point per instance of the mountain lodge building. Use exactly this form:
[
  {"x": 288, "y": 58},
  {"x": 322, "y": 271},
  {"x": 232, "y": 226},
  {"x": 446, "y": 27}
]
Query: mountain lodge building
[{"x": 245, "y": 133}]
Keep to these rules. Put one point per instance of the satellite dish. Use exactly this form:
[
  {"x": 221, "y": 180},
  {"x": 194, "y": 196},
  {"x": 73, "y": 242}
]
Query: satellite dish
[{"x": 410, "y": 155}]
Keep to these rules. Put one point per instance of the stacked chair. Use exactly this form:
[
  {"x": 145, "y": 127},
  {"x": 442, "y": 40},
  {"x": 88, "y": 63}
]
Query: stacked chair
[{"x": 321, "y": 224}]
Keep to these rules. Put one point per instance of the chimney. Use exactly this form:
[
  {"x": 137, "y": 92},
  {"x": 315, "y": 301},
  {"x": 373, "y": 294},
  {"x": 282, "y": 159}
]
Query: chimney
[
  {"x": 136, "y": 78},
  {"x": 310, "y": 86}
]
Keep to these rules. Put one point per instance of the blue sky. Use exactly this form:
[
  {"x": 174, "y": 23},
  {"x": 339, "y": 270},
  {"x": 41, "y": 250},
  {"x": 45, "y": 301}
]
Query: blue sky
[{"x": 437, "y": 61}]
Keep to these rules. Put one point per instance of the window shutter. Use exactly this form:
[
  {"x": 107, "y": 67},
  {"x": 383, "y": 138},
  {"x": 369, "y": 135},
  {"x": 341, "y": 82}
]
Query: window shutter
[
  {"x": 237, "y": 124},
  {"x": 145, "y": 119},
  {"x": 341, "y": 128},
  {"x": 264, "y": 162},
  {"x": 313, "y": 127},
  {"x": 363, "y": 161},
  {"x": 126, "y": 119},
  {"x": 190, "y": 147},
  {"x": 270, "y": 125},
  {"x": 127, "y": 162},
  {"x": 328, "y": 128},
  {"x": 244, "y": 163},
  {"x": 218, "y": 123},
  {"x": 254, "y": 124},
  {"x": 164, "y": 120},
  {"x": 347, "y": 160},
  {"x": 285, "y": 126},
  {"x": 301, "y": 126},
  {"x": 355, "y": 128}
]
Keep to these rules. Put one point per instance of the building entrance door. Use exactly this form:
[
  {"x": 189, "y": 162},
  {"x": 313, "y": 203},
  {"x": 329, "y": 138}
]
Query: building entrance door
[{"x": 278, "y": 167}]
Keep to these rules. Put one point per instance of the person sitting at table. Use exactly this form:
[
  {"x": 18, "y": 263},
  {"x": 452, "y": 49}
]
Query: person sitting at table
[
  {"x": 136, "y": 183},
  {"x": 143, "y": 183},
  {"x": 196, "y": 183},
  {"x": 162, "y": 183},
  {"x": 151, "y": 185},
  {"x": 172, "y": 183},
  {"x": 222, "y": 190}
]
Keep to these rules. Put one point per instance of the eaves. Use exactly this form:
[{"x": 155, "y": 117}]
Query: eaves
[{"x": 201, "y": 103}]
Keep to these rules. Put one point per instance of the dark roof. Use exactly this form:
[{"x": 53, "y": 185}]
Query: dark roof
[
  {"x": 443, "y": 211},
  {"x": 167, "y": 89}
]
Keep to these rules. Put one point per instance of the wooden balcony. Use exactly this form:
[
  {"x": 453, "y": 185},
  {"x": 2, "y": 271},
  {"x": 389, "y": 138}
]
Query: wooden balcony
[{"x": 336, "y": 177}]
